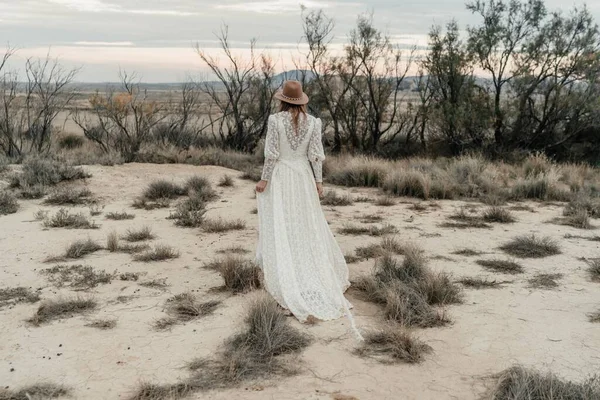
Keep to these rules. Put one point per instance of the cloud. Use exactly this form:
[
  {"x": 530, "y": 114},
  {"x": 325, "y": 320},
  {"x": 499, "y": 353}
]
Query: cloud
[
  {"x": 278, "y": 6},
  {"x": 83, "y": 43},
  {"x": 98, "y": 6}
]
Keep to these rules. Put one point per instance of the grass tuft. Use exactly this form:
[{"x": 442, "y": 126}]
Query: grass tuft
[
  {"x": 239, "y": 275},
  {"x": 79, "y": 277},
  {"x": 8, "y": 203},
  {"x": 331, "y": 198},
  {"x": 544, "y": 281},
  {"x": 200, "y": 187},
  {"x": 394, "y": 344},
  {"x": 103, "y": 324},
  {"x": 16, "y": 295},
  {"x": 119, "y": 216},
  {"x": 160, "y": 253},
  {"x": 68, "y": 195},
  {"x": 183, "y": 308},
  {"x": 499, "y": 215},
  {"x": 520, "y": 383},
  {"x": 531, "y": 247},
  {"x": 220, "y": 225},
  {"x": 190, "y": 213},
  {"x": 594, "y": 269},
  {"x": 163, "y": 189},
  {"x": 502, "y": 266},
  {"x": 226, "y": 181},
  {"x": 60, "y": 308},
  {"x": 139, "y": 235},
  {"x": 479, "y": 283},
  {"x": 64, "y": 219},
  {"x": 39, "y": 391}
]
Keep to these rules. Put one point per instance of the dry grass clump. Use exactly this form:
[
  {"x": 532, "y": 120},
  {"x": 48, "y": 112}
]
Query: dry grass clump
[
  {"x": 385, "y": 201},
  {"x": 531, "y": 247},
  {"x": 502, "y": 266},
  {"x": 220, "y": 225},
  {"x": 386, "y": 229},
  {"x": 594, "y": 317},
  {"x": 239, "y": 274},
  {"x": 39, "y": 391},
  {"x": 16, "y": 295},
  {"x": 8, "y": 203},
  {"x": 60, "y": 308},
  {"x": 358, "y": 172},
  {"x": 163, "y": 189},
  {"x": 185, "y": 307},
  {"x": 467, "y": 252},
  {"x": 79, "y": 277},
  {"x": 462, "y": 220},
  {"x": 539, "y": 187},
  {"x": 252, "y": 174},
  {"x": 119, "y": 216},
  {"x": 155, "y": 284},
  {"x": 388, "y": 245},
  {"x": 370, "y": 218},
  {"x": 46, "y": 172},
  {"x": 226, "y": 181},
  {"x": 160, "y": 253},
  {"x": 583, "y": 203},
  {"x": 64, "y": 219},
  {"x": 410, "y": 183},
  {"x": 103, "y": 324},
  {"x": 594, "y": 269},
  {"x": 578, "y": 219},
  {"x": 480, "y": 283},
  {"x": 198, "y": 186},
  {"x": 394, "y": 344},
  {"x": 266, "y": 347},
  {"x": 78, "y": 249},
  {"x": 409, "y": 289},
  {"x": 32, "y": 192},
  {"x": 351, "y": 258},
  {"x": 544, "y": 281},
  {"x": 138, "y": 235},
  {"x": 233, "y": 250},
  {"x": 144, "y": 204},
  {"x": 331, "y": 198},
  {"x": 518, "y": 383},
  {"x": 499, "y": 215},
  {"x": 71, "y": 141},
  {"x": 190, "y": 213},
  {"x": 129, "y": 276},
  {"x": 68, "y": 195}
]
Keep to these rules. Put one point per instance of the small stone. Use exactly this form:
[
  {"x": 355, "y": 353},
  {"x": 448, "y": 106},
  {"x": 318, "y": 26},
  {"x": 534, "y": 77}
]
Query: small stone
[{"x": 12, "y": 370}]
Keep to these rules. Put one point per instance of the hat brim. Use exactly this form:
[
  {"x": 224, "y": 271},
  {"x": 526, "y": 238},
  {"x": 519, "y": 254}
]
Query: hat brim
[{"x": 299, "y": 102}]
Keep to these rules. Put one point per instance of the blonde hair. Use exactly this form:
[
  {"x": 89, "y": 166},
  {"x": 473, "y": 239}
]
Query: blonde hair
[{"x": 295, "y": 110}]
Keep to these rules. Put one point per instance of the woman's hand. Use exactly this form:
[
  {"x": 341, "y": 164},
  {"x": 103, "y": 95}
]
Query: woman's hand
[
  {"x": 320, "y": 189},
  {"x": 261, "y": 186}
]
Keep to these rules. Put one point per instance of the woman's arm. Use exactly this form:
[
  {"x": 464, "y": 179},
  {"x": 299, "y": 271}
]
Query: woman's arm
[
  {"x": 271, "y": 154},
  {"x": 316, "y": 154}
]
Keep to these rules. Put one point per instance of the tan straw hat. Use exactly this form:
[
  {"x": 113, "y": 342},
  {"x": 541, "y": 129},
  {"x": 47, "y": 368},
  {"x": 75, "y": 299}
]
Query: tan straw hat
[{"x": 292, "y": 93}]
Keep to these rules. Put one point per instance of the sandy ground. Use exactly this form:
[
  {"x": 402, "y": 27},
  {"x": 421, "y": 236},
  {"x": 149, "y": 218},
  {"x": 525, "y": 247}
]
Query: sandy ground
[{"x": 493, "y": 329}]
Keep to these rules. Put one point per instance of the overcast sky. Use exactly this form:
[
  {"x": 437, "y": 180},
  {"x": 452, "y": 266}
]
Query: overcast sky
[{"x": 155, "y": 37}]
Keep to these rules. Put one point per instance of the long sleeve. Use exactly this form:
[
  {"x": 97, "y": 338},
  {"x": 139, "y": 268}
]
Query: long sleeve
[
  {"x": 316, "y": 154},
  {"x": 271, "y": 149}
]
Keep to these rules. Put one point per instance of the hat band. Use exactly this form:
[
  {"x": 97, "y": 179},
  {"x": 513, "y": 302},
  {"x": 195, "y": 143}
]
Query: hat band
[{"x": 290, "y": 98}]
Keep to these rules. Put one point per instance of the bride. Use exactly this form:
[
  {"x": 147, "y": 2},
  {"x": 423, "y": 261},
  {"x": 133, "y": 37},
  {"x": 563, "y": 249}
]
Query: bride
[{"x": 303, "y": 266}]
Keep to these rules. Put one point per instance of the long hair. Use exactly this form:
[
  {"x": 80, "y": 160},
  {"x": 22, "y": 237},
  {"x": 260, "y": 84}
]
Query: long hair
[{"x": 295, "y": 110}]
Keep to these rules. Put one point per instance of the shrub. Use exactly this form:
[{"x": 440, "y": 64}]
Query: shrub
[
  {"x": 81, "y": 248},
  {"x": 69, "y": 195},
  {"x": 520, "y": 383},
  {"x": 71, "y": 141},
  {"x": 51, "y": 310},
  {"x": 503, "y": 266},
  {"x": 239, "y": 275},
  {"x": 162, "y": 189},
  {"x": 226, "y": 181},
  {"x": 220, "y": 225},
  {"x": 119, "y": 216},
  {"x": 64, "y": 219},
  {"x": 138, "y": 235},
  {"x": 201, "y": 188},
  {"x": 498, "y": 214},
  {"x": 331, "y": 198},
  {"x": 159, "y": 253},
  {"x": 531, "y": 247},
  {"x": 190, "y": 213},
  {"x": 8, "y": 203},
  {"x": 396, "y": 344},
  {"x": 44, "y": 171}
]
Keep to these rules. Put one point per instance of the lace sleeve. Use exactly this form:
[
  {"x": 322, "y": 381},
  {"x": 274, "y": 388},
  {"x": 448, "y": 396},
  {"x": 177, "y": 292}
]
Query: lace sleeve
[
  {"x": 316, "y": 154},
  {"x": 271, "y": 149}
]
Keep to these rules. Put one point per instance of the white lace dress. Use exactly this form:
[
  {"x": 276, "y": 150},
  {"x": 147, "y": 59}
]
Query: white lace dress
[{"x": 304, "y": 268}]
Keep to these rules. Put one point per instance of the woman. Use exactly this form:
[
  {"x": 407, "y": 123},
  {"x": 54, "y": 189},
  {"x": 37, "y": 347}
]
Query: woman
[{"x": 303, "y": 266}]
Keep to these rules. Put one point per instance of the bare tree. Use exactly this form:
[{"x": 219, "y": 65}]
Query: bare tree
[
  {"x": 506, "y": 27},
  {"x": 245, "y": 105},
  {"x": 123, "y": 120}
]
